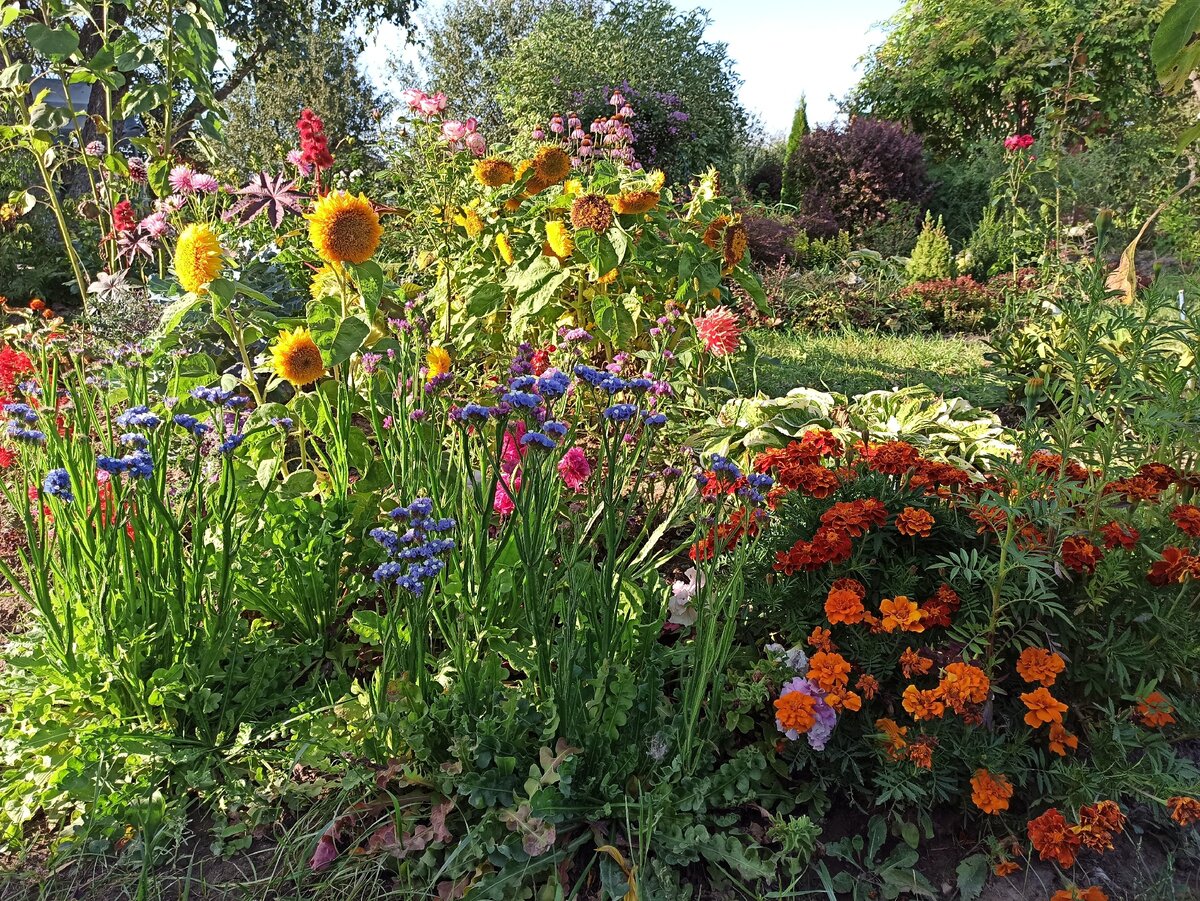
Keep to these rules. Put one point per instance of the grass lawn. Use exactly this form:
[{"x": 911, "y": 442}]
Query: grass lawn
[{"x": 856, "y": 362}]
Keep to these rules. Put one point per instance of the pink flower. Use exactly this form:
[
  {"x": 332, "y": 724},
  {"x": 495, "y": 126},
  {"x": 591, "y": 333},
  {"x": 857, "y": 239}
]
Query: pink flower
[
  {"x": 432, "y": 104},
  {"x": 476, "y": 144},
  {"x": 454, "y": 130},
  {"x": 203, "y": 183},
  {"x": 413, "y": 98},
  {"x": 718, "y": 332},
  {"x": 506, "y": 489},
  {"x": 296, "y": 158},
  {"x": 574, "y": 469},
  {"x": 512, "y": 451},
  {"x": 155, "y": 225},
  {"x": 181, "y": 179},
  {"x": 1018, "y": 142}
]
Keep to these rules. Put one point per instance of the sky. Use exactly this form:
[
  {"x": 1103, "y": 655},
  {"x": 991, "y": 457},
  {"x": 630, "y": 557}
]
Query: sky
[{"x": 780, "y": 48}]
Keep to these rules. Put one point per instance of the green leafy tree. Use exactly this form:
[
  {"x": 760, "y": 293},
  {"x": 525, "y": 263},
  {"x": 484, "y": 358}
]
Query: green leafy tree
[
  {"x": 683, "y": 87},
  {"x": 957, "y": 70},
  {"x": 791, "y": 192}
]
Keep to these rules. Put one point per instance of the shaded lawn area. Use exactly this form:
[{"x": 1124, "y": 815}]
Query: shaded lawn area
[{"x": 856, "y": 362}]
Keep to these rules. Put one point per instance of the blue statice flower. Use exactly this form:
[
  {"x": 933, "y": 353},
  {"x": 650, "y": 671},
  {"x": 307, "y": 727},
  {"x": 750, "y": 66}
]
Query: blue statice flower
[
  {"x": 553, "y": 383},
  {"x": 192, "y": 424},
  {"x": 212, "y": 395},
  {"x": 283, "y": 422},
  {"x": 522, "y": 399},
  {"x": 545, "y": 442},
  {"x": 640, "y": 385},
  {"x": 135, "y": 440},
  {"x": 22, "y": 412},
  {"x": 620, "y": 412},
  {"x": 58, "y": 484},
  {"x": 656, "y": 420},
  {"x": 112, "y": 465},
  {"x": 554, "y": 429},
  {"x": 760, "y": 480},
  {"x": 25, "y": 436},
  {"x": 726, "y": 466},
  {"x": 415, "y": 554},
  {"x": 138, "y": 418},
  {"x": 140, "y": 465},
  {"x": 476, "y": 411},
  {"x": 230, "y": 444},
  {"x": 590, "y": 375},
  {"x": 237, "y": 402},
  {"x": 522, "y": 383}
]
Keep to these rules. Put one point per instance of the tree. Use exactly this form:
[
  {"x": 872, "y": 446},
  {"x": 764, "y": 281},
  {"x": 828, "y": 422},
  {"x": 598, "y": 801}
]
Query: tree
[
  {"x": 789, "y": 193},
  {"x": 682, "y": 87},
  {"x": 465, "y": 41},
  {"x": 262, "y": 112},
  {"x": 959, "y": 70}
]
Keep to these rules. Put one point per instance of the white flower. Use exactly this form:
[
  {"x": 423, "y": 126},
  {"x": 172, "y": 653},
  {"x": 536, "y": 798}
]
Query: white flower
[{"x": 682, "y": 594}]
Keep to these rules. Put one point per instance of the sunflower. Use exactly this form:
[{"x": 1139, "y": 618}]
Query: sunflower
[
  {"x": 727, "y": 235},
  {"x": 344, "y": 228},
  {"x": 504, "y": 246},
  {"x": 197, "y": 257},
  {"x": 437, "y": 362},
  {"x": 551, "y": 164},
  {"x": 558, "y": 236},
  {"x": 325, "y": 281},
  {"x": 592, "y": 211},
  {"x": 471, "y": 221},
  {"x": 296, "y": 357},
  {"x": 494, "y": 172},
  {"x": 629, "y": 203}
]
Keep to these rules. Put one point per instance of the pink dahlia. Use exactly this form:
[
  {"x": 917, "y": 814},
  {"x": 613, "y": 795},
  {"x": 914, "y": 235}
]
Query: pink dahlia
[
  {"x": 574, "y": 469},
  {"x": 718, "y": 331}
]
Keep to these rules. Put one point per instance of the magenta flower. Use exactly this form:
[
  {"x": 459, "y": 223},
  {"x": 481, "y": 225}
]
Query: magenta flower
[
  {"x": 574, "y": 469},
  {"x": 506, "y": 489},
  {"x": 181, "y": 179},
  {"x": 1014, "y": 143}
]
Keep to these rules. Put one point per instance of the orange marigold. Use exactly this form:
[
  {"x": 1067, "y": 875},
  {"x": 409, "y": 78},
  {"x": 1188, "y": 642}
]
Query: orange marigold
[
  {"x": 855, "y": 518},
  {"x": 915, "y": 523},
  {"x": 1040, "y": 665},
  {"x": 920, "y": 752},
  {"x": 820, "y": 639},
  {"x": 1054, "y": 838},
  {"x": 1184, "y": 811},
  {"x": 892, "y": 458},
  {"x": 893, "y": 734},
  {"x": 964, "y": 685},
  {"x": 868, "y": 685},
  {"x": 828, "y": 671},
  {"x": 796, "y": 711},
  {"x": 1061, "y": 741},
  {"x": 900, "y": 613},
  {"x": 1005, "y": 868},
  {"x": 844, "y": 605},
  {"x": 1154, "y": 711},
  {"x": 1099, "y": 823},
  {"x": 913, "y": 664},
  {"x": 923, "y": 705},
  {"x": 990, "y": 793},
  {"x": 1074, "y": 893},
  {"x": 1043, "y": 708},
  {"x": 1187, "y": 519}
]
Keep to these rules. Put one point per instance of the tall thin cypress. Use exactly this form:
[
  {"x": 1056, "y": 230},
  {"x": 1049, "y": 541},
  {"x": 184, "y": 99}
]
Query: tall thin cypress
[{"x": 790, "y": 192}]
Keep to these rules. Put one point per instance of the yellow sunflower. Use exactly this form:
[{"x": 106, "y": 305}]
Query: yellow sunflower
[
  {"x": 551, "y": 164},
  {"x": 471, "y": 221},
  {"x": 629, "y": 203},
  {"x": 592, "y": 211},
  {"x": 197, "y": 257},
  {"x": 296, "y": 357},
  {"x": 558, "y": 236},
  {"x": 344, "y": 228},
  {"x": 494, "y": 172},
  {"x": 504, "y": 246},
  {"x": 437, "y": 362}
]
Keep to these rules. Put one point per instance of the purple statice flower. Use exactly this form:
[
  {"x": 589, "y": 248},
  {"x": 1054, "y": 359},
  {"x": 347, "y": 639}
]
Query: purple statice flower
[
  {"x": 58, "y": 484},
  {"x": 577, "y": 336},
  {"x": 826, "y": 716},
  {"x": 370, "y": 363},
  {"x": 417, "y": 415}
]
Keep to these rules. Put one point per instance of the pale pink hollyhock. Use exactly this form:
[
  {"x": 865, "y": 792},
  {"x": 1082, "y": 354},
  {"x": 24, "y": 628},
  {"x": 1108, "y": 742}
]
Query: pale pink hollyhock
[
  {"x": 718, "y": 332},
  {"x": 574, "y": 469},
  {"x": 683, "y": 592},
  {"x": 506, "y": 489},
  {"x": 432, "y": 104},
  {"x": 412, "y": 97}
]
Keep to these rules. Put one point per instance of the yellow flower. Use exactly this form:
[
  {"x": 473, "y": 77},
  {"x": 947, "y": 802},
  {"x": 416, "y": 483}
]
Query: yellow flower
[
  {"x": 494, "y": 172},
  {"x": 572, "y": 186},
  {"x": 505, "y": 248},
  {"x": 471, "y": 221},
  {"x": 592, "y": 211},
  {"x": 325, "y": 281},
  {"x": 558, "y": 236},
  {"x": 437, "y": 362},
  {"x": 296, "y": 357},
  {"x": 197, "y": 257},
  {"x": 551, "y": 164},
  {"x": 633, "y": 202},
  {"x": 344, "y": 228}
]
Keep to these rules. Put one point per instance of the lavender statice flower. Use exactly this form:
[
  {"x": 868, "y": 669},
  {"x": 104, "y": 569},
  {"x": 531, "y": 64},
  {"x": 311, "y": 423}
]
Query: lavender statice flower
[
  {"x": 212, "y": 395},
  {"x": 370, "y": 363},
  {"x": 417, "y": 415},
  {"x": 577, "y": 336},
  {"x": 58, "y": 484},
  {"x": 415, "y": 554}
]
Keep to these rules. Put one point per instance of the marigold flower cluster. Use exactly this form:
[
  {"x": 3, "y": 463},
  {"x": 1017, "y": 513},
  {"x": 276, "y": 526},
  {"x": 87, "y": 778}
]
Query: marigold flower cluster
[{"x": 1056, "y": 839}]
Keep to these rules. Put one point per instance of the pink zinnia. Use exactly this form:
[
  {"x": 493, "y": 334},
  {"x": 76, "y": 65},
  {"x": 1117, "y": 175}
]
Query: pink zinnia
[
  {"x": 718, "y": 332},
  {"x": 574, "y": 469}
]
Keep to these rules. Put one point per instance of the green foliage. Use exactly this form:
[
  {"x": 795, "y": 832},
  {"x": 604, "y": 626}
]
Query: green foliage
[
  {"x": 813, "y": 253},
  {"x": 790, "y": 194},
  {"x": 931, "y": 257}
]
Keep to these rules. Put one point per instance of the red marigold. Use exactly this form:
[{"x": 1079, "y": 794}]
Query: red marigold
[
  {"x": 1135, "y": 488},
  {"x": 1175, "y": 566},
  {"x": 937, "y": 611},
  {"x": 1080, "y": 555},
  {"x": 1054, "y": 838},
  {"x": 914, "y": 522},
  {"x": 920, "y": 752},
  {"x": 913, "y": 664},
  {"x": 868, "y": 685},
  {"x": 1119, "y": 535},
  {"x": 990, "y": 519},
  {"x": 1184, "y": 811},
  {"x": 1160, "y": 474},
  {"x": 820, "y": 639},
  {"x": 1099, "y": 823},
  {"x": 892, "y": 458},
  {"x": 855, "y": 518},
  {"x": 1187, "y": 519}
]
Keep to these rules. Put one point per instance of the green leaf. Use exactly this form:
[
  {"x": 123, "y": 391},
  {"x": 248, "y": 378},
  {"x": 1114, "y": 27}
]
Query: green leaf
[
  {"x": 1175, "y": 49},
  {"x": 56, "y": 43},
  {"x": 972, "y": 876},
  {"x": 350, "y": 336},
  {"x": 1187, "y": 137},
  {"x": 158, "y": 174},
  {"x": 910, "y": 834},
  {"x": 9, "y": 14},
  {"x": 174, "y": 314},
  {"x": 371, "y": 282}
]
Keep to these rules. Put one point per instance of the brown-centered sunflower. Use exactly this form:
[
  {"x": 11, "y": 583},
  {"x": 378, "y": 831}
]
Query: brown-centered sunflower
[
  {"x": 592, "y": 211},
  {"x": 629, "y": 203},
  {"x": 344, "y": 228},
  {"x": 296, "y": 357},
  {"x": 551, "y": 164},
  {"x": 494, "y": 172}
]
